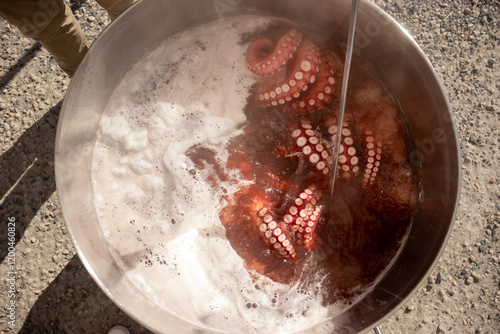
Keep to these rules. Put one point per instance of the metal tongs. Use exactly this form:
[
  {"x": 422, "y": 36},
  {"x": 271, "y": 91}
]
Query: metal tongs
[{"x": 343, "y": 98}]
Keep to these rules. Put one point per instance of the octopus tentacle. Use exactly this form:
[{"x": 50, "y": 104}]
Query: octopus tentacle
[
  {"x": 373, "y": 156},
  {"x": 301, "y": 208},
  {"x": 320, "y": 93},
  {"x": 264, "y": 57},
  {"x": 275, "y": 233},
  {"x": 308, "y": 84},
  {"x": 307, "y": 230},
  {"x": 299, "y": 223},
  {"x": 307, "y": 141},
  {"x": 301, "y": 73},
  {"x": 268, "y": 205},
  {"x": 303, "y": 216},
  {"x": 348, "y": 163}
]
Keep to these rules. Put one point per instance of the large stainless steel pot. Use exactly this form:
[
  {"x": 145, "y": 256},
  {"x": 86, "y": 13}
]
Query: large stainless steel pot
[{"x": 381, "y": 42}]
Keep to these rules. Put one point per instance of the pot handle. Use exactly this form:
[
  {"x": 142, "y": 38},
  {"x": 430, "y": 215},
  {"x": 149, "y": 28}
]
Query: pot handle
[{"x": 377, "y": 330}]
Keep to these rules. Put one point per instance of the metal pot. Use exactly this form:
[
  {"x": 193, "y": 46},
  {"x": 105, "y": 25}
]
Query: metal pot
[{"x": 385, "y": 47}]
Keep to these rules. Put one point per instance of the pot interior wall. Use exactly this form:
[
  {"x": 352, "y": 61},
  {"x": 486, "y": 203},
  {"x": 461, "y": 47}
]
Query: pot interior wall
[{"x": 381, "y": 42}]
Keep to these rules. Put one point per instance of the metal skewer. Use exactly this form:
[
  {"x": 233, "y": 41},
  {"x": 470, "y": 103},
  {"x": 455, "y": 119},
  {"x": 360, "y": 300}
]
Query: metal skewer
[
  {"x": 343, "y": 98},
  {"x": 343, "y": 93}
]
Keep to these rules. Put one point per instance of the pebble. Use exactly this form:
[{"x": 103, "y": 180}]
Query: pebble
[
  {"x": 441, "y": 295},
  {"x": 409, "y": 308},
  {"x": 440, "y": 278}
]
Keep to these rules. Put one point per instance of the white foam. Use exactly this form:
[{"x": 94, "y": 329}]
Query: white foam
[{"x": 161, "y": 221}]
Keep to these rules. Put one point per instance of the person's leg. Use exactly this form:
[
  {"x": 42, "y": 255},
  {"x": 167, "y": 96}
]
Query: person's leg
[
  {"x": 115, "y": 7},
  {"x": 51, "y": 23}
]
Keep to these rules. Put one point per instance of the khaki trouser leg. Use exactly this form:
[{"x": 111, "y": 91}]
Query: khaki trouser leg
[
  {"x": 115, "y": 7},
  {"x": 51, "y": 23}
]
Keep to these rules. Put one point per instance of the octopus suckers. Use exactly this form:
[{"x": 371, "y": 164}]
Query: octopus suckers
[
  {"x": 306, "y": 66},
  {"x": 301, "y": 141}
]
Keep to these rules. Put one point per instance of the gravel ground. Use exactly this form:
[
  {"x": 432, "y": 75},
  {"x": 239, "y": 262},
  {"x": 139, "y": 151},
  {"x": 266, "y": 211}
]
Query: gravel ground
[{"x": 55, "y": 294}]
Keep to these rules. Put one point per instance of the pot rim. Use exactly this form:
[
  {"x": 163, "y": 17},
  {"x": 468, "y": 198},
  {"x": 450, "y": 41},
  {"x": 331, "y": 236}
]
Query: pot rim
[{"x": 128, "y": 309}]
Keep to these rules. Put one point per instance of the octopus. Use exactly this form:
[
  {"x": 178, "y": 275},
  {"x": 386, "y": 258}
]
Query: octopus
[
  {"x": 288, "y": 159},
  {"x": 309, "y": 81}
]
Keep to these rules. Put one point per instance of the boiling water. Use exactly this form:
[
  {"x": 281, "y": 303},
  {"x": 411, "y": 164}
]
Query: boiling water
[{"x": 160, "y": 209}]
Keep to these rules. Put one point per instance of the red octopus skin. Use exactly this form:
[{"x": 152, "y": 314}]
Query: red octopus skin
[
  {"x": 352, "y": 162},
  {"x": 300, "y": 221},
  {"x": 307, "y": 141},
  {"x": 307, "y": 85},
  {"x": 278, "y": 56},
  {"x": 373, "y": 155},
  {"x": 348, "y": 162},
  {"x": 301, "y": 73},
  {"x": 274, "y": 232},
  {"x": 304, "y": 216},
  {"x": 307, "y": 229},
  {"x": 309, "y": 81},
  {"x": 274, "y": 181},
  {"x": 302, "y": 207},
  {"x": 268, "y": 208},
  {"x": 320, "y": 92}
]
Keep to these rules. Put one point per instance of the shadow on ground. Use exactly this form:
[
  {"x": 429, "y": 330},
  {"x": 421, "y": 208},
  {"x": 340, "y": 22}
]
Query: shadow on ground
[
  {"x": 74, "y": 303},
  {"x": 29, "y": 55},
  {"x": 28, "y": 177}
]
